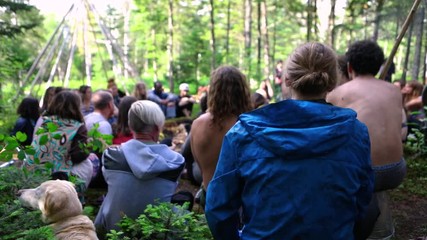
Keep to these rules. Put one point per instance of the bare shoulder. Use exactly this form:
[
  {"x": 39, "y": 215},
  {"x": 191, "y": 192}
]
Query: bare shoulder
[{"x": 335, "y": 95}]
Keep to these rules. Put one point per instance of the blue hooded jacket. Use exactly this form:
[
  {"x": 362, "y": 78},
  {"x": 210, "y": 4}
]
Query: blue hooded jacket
[{"x": 299, "y": 170}]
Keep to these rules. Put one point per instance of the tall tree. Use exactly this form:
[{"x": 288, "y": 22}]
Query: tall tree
[
  {"x": 170, "y": 44},
  {"x": 309, "y": 19},
  {"x": 259, "y": 39},
  {"x": 213, "y": 41},
  {"x": 331, "y": 24},
  {"x": 227, "y": 44},
  {"x": 248, "y": 34},
  {"x": 377, "y": 22},
  {"x": 408, "y": 51},
  {"x": 265, "y": 39},
  {"x": 419, "y": 23}
]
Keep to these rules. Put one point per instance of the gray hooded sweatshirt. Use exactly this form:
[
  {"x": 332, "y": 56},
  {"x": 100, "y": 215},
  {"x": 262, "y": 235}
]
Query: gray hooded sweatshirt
[{"x": 137, "y": 174}]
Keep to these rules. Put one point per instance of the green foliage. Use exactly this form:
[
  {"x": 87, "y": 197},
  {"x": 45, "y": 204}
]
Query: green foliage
[
  {"x": 13, "y": 178},
  {"x": 20, "y": 223},
  {"x": 97, "y": 142},
  {"x": 17, "y": 222},
  {"x": 416, "y": 143},
  {"x": 163, "y": 221}
]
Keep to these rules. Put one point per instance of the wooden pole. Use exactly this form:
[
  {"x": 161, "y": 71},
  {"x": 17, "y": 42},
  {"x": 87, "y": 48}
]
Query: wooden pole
[
  {"x": 405, "y": 26},
  {"x": 36, "y": 62}
]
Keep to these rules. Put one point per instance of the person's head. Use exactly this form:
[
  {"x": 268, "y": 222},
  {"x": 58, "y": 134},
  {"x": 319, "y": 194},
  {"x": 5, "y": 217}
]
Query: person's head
[
  {"x": 184, "y": 88},
  {"x": 343, "y": 76},
  {"x": 229, "y": 94},
  {"x": 258, "y": 100},
  {"x": 103, "y": 102},
  {"x": 364, "y": 58},
  {"x": 48, "y": 96},
  {"x": 122, "y": 121},
  {"x": 66, "y": 105},
  {"x": 279, "y": 64},
  {"x": 86, "y": 92},
  {"x": 158, "y": 87},
  {"x": 29, "y": 108},
  {"x": 204, "y": 103},
  {"x": 413, "y": 88},
  {"x": 140, "y": 91},
  {"x": 110, "y": 82},
  {"x": 146, "y": 117},
  {"x": 113, "y": 89},
  {"x": 311, "y": 71}
]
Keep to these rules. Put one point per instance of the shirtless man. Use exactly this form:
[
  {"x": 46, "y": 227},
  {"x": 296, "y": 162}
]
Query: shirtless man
[
  {"x": 379, "y": 105},
  {"x": 229, "y": 96}
]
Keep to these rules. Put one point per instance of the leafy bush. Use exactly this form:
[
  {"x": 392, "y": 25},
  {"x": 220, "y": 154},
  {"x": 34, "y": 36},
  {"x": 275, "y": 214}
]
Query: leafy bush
[
  {"x": 164, "y": 221},
  {"x": 17, "y": 222},
  {"x": 13, "y": 178},
  {"x": 20, "y": 223}
]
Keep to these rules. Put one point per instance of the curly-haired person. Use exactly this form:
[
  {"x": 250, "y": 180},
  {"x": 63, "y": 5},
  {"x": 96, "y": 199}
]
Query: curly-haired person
[{"x": 229, "y": 96}]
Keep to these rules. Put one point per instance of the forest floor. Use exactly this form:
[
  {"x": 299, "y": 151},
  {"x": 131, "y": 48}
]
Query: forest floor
[{"x": 409, "y": 211}]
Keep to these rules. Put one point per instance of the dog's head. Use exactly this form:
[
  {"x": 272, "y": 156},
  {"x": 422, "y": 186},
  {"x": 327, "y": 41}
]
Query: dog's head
[{"x": 57, "y": 199}]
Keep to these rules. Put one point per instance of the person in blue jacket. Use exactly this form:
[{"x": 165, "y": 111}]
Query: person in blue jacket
[{"x": 297, "y": 169}]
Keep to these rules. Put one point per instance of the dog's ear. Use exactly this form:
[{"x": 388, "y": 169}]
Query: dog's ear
[{"x": 54, "y": 201}]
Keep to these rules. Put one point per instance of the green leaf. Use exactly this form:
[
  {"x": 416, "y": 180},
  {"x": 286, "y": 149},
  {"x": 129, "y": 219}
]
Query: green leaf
[
  {"x": 1, "y": 137},
  {"x": 12, "y": 146},
  {"x": 22, "y": 137},
  {"x": 48, "y": 165},
  {"x": 43, "y": 140},
  {"x": 40, "y": 131},
  {"x": 21, "y": 155},
  {"x": 52, "y": 127},
  {"x": 30, "y": 151},
  {"x": 57, "y": 136}
]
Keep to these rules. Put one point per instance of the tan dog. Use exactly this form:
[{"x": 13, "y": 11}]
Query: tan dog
[{"x": 60, "y": 206}]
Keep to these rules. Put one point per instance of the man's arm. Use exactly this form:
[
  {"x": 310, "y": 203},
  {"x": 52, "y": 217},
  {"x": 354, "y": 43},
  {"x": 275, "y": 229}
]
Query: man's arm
[{"x": 223, "y": 198}]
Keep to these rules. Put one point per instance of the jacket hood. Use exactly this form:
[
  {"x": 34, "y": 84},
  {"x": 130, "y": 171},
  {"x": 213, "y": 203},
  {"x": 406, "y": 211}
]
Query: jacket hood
[
  {"x": 296, "y": 129},
  {"x": 147, "y": 161}
]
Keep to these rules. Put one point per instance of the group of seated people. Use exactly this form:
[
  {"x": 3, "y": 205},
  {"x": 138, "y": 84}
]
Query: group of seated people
[{"x": 309, "y": 166}]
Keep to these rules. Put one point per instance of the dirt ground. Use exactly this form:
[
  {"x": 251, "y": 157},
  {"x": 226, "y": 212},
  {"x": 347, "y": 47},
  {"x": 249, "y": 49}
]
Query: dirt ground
[{"x": 409, "y": 215}]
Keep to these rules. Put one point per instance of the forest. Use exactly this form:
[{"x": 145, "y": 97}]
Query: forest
[{"x": 182, "y": 41}]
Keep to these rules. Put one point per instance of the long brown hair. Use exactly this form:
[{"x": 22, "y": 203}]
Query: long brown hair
[
  {"x": 229, "y": 94},
  {"x": 123, "y": 119},
  {"x": 66, "y": 105}
]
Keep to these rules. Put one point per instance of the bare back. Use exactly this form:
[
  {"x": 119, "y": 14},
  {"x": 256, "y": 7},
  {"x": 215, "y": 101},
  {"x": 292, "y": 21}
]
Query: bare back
[
  {"x": 206, "y": 141},
  {"x": 379, "y": 105}
]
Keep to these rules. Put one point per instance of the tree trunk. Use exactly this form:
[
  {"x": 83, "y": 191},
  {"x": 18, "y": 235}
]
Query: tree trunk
[
  {"x": 227, "y": 44},
  {"x": 213, "y": 42},
  {"x": 273, "y": 51},
  {"x": 309, "y": 19},
  {"x": 264, "y": 32},
  {"x": 170, "y": 45},
  {"x": 315, "y": 20},
  {"x": 380, "y": 4},
  {"x": 331, "y": 25},
  {"x": 154, "y": 59},
  {"x": 418, "y": 43},
  {"x": 408, "y": 50},
  {"x": 126, "y": 42},
  {"x": 248, "y": 35},
  {"x": 88, "y": 54},
  {"x": 258, "y": 68}
]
